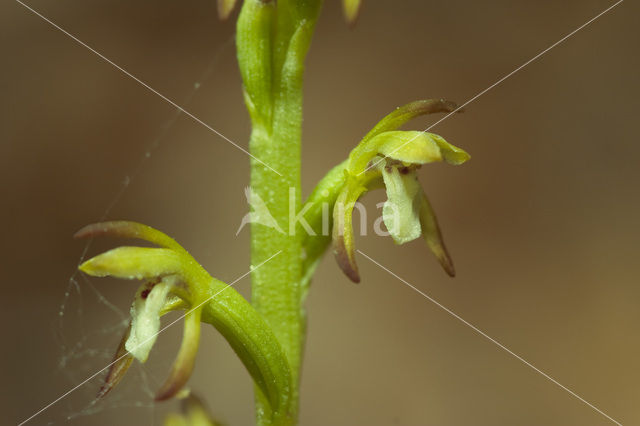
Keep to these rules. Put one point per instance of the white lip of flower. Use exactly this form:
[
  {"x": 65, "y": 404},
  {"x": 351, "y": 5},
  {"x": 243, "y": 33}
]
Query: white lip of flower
[
  {"x": 391, "y": 159},
  {"x": 145, "y": 319},
  {"x": 401, "y": 210}
]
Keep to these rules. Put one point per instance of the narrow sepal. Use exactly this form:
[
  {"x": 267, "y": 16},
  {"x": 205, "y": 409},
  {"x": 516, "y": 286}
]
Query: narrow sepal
[
  {"x": 433, "y": 236},
  {"x": 361, "y": 156},
  {"x": 342, "y": 233},
  {"x": 405, "y": 113},
  {"x": 120, "y": 364},
  {"x": 185, "y": 361},
  {"x": 128, "y": 229},
  {"x": 122, "y": 358}
]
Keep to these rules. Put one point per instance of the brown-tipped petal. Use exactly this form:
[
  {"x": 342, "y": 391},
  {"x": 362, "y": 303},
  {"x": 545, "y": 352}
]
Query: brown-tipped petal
[
  {"x": 433, "y": 237},
  {"x": 361, "y": 156},
  {"x": 128, "y": 229},
  {"x": 407, "y": 112},
  {"x": 351, "y": 9},
  {"x": 185, "y": 361},
  {"x": 345, "y": 259},
  {"x": 225, "y": 7},
  {"x": 342, "y": 235},
  {"x": 119, "y": 366}
]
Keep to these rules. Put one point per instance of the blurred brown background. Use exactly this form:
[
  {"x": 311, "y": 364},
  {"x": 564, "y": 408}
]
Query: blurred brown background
[{"x": 542, "y": 223}]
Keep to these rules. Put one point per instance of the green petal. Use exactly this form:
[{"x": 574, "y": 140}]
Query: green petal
[
  {"x": 412, "y": 147},
  {"x": 134, "y": 263},
  {"x": 407, "y": 112},
  {"x": 400, "y": 211},
  {"x": 452, "y": 154},
  {"x": 342, "y": 235},
  {"x": 185, "y": 361},
  {"x": 365, "y": 151},
  {"x": 129, "y": 229},
  {"x": 409, "y": 147},
  {"x": 318, "y": 206}
]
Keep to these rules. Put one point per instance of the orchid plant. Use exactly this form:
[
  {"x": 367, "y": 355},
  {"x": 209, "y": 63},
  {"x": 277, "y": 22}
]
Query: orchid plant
[{"x": 268, "y": 334}]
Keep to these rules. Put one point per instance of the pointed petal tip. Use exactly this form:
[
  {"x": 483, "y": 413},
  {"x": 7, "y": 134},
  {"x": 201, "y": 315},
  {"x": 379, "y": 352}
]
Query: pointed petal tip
[
  {"x": 449, "y": 106},
  {"x": 447, "y": 264},
  {"x": 186, "y": 359},
  {"x": 433, "y": 236},
  {"x": 457, "y": 156},
  {"x": 116, "y": 228},
  {"x": 431, "y": 106},
  {"x": 167, "y": 391},
  {"x": 128, "y": 229},
  {"x": 92, "y": 267},
  {"x": 345, "y": 262},
  {"x": 115, "y": 375},
  {"x": 122, "y": 360}
]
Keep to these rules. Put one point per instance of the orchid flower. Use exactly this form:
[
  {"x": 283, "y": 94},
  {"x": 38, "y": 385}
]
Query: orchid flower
[
  {"x": 173, "y": 280},
  {"x": 385, "y": 158}
]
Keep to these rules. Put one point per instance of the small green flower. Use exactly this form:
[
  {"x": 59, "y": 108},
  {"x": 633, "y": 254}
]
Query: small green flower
[
  {"x": 173, "y": 280},
  {"x": 168, "y": 284},
  {"x": 390, "y": 158}
]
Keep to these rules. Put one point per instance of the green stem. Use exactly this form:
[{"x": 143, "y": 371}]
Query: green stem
[
  {"x": 275, "y": 285},
  {"x": 272, "y": 44}
]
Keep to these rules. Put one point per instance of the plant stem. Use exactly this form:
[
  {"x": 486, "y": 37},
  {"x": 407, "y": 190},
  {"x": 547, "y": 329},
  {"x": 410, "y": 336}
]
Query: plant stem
[{"x": 272, "y": 45}]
